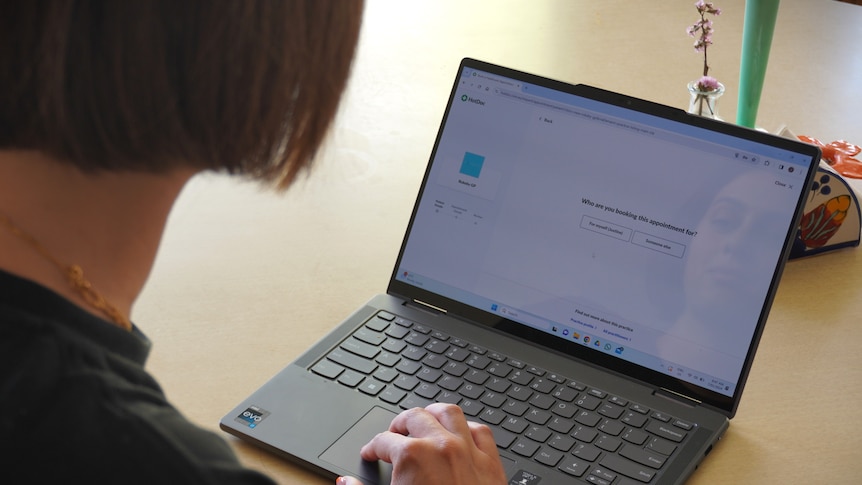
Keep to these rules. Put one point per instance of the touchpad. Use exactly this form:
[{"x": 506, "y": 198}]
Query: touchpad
[{"x": 344, "y": 453}]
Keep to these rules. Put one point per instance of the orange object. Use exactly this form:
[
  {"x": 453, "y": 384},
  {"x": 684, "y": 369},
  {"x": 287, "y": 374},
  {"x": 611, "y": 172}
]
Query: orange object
[{"x": 839, "y": 155}]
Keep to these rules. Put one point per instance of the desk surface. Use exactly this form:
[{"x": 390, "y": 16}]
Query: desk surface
[{"x": 245, "y": 280}]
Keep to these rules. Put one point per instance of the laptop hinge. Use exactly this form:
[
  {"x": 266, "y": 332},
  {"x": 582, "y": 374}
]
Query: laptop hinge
[
  {"x": 427, "y": 307},
  {"x": 675, "y": 396}
]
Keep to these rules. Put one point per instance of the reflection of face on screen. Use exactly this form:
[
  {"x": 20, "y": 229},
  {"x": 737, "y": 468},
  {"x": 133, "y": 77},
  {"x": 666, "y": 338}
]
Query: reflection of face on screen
[{"x": 730, "y": 259}]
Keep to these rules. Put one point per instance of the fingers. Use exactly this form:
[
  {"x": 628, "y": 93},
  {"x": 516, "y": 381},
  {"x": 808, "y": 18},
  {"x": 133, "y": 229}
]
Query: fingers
[
  {"x": 484, "y": 438},
  {"x": 347, "y": 481},
  {"x": 434, "y": 420}
]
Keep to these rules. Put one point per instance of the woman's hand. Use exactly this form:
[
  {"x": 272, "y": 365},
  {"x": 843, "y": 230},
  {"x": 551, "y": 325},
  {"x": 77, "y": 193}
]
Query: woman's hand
[{"x": 436, "y": 445}]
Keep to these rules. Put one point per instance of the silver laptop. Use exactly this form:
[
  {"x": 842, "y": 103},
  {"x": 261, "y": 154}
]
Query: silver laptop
[{"x": 587, "y": 273}]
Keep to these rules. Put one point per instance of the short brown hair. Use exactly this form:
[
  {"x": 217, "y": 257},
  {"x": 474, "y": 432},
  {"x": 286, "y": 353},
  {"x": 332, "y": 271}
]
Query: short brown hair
[{"x": 246, "y": 87}]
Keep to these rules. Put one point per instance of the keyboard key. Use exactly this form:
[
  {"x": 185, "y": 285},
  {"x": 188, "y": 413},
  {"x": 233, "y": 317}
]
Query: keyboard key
[
  {"x": 493, "y": 399},
  {"x": 428, "y": 391},
  {"x": 635, "y": 436},
  {"x": 371, "y": 387},
  {"x": 521, "y": 377},
  {"x": 535, "y": 370},
  {"x": 478, "y": 361},
  {"x": 350, "y": 378},
  {"x": 471, "y": 391},
  {"x": 564, "y": 409},
  {"x": 437, "y": 346},
  {"x": 327, "y": 369},
  {"x": 394, "y": 346},
  {"x": 377, "y": 324},
  {"x": 471, "y": 407},
  {"x": 448, "y": 397},
  {"x": 434, "y": 360},
  {"x": 352, "y": 361},
  {"x": 561, "y": 425},
  {"x": 455, "y": 368},
  {"x": 406, "y": 382},
  {"x": 588, "y": 418},
  {"x": 588, "y": 402},
  {"x": 538, "y": 433},
  {"x": 417, "y": 339},
  {"x": 450, "y": 383},
  {"x": 682, "y": 424},
  {"x": 608, "y": 443},
  {"x": 610, "y": 410},
  {"x": 499, "y": 370},
  {"x": 408, "y": 367},
  {"x": 429, "y": 375},
  {"x": 396, "y": 331},
  {"x": 476, "y": 376},
  {"x": 392, "y": 395},
  {"x": 369, "y": 336},
  {"x": 661, "y": 416},
  {"x": 613, "y": 428},
  {"x": 538, "y": 416},
  {"x": 497, "y": 384},
  {"x": 659, "y": 445},
  {"x": 586, "y": 452},
  {"x": 515, "y": 424},
  {"x": 544, "y": 386},
  {"x": 384, "y": 315},
  {"x": 520, "y": 393},
  {"x": 548, "y": 456},
  {"x": 604, "y": 474},
  {"x": 584, "y": 434},
  {"x": 574, "y": 466},
  {"x": 388, "y": 359},
  {"x": 634, "y": 419},
  {"x": 403, "y": 322},
  {"x": 492, "y": 416},
  {"x": 542, "y": 401},
  {"x": 628, "y": 468},
  {"x": 525, "y": 447},
  {"x": 565, "y": 393},
  {"x": 360, "y": 348},
  {"x": 561, "y": 442},
  {"x": 515, "y": 408},
  {"x": 414, "y": 353},
  {"x": 643, "y": 457},
  {"x": 666, "y": 431},
  {"x": 457, "y": 354},
  {"x": 385, "y": 374},
  {"x": 421, "y": 328}
]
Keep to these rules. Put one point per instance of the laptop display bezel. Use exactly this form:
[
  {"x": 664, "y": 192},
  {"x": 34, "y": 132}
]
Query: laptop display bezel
[{"x": 726, "y": 405}]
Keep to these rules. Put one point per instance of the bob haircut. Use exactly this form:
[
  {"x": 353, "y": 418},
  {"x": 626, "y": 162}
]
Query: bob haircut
[{"x": 245, "y": 87}]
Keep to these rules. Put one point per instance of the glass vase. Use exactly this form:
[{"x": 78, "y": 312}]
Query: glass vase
[{"x": 704, "y": 103}]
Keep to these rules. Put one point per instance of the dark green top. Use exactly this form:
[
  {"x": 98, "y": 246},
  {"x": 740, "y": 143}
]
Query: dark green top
[{"x": 77, "y": 406}]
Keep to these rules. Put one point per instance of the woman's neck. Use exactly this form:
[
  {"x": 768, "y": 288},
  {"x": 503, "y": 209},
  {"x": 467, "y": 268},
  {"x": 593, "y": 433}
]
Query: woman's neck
[{"x": 109, "y": 224}]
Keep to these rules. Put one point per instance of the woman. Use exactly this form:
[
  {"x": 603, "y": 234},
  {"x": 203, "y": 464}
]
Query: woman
[{"x": 106, "y": 110}]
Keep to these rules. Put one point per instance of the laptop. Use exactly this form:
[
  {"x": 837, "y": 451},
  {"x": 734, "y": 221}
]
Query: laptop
[{"x": 587, "y": 273}]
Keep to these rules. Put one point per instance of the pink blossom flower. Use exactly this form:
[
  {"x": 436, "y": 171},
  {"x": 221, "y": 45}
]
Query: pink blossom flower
[
  {"x": 702, "y": 30},
  {"x": 707, "y": 83}
]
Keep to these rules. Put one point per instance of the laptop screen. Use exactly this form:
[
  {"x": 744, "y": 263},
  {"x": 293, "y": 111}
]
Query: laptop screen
[{"x": 648, "y": 239}]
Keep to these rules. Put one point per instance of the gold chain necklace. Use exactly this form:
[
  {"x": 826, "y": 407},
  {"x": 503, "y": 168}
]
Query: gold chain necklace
[{"x": 74, "y": 275}]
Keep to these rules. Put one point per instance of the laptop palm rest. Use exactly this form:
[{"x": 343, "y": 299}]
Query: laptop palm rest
[{"x": 344, "y": 453}]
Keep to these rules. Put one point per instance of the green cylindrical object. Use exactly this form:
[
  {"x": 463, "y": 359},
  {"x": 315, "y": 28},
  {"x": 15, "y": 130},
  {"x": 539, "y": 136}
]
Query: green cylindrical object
[{"x": 757, "y": 31}]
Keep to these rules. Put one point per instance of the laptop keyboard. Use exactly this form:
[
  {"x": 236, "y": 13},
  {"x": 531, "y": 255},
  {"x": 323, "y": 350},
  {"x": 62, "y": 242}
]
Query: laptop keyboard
[{"x": 562, "y": 423}]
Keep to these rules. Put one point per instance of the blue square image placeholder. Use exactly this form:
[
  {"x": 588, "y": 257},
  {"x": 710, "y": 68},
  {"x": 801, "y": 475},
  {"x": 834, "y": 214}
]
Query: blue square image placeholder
[{"x": 472, "y": 164}]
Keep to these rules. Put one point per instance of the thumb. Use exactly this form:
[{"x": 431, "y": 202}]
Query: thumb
[{"x": 347, "y": 481}]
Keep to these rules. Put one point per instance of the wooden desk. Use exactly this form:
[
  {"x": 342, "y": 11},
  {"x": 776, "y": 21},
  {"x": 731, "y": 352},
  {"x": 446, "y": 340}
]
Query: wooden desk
[{"x": 246, "y": 280}]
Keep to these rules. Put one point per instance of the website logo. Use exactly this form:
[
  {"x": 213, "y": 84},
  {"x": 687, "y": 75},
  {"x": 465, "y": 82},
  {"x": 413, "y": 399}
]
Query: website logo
[
  {"x": 464, "y": 98},
  {"x": 252, "y": 416}
]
